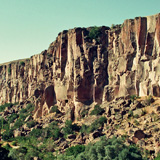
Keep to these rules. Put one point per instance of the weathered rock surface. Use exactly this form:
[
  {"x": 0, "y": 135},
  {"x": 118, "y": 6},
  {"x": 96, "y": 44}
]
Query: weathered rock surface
[{"x": 76, "y": 71}]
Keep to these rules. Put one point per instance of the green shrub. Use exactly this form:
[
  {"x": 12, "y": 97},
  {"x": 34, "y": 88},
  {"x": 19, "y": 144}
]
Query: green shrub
[
  {"x": 14, "y": 143},
  {"x": 30, "y": 107},
  {"x": 6, "y": 126},
  {"x": 7, "y": 147},
  {"x": 31, "y": 153},
  {"x": 133, "y": 98},
  {"x": 23, "y": 116},
  {"x": 94, "y": 33},
  {"x": 56, "y": 133},
  {"x": 36, "y": 133},
  {"x": 136, "y": 122},
  {"x": 2, "y": 107},
  {"x": 158, "y": 157},
  {"x": 53, "y": 124},
  {"x": 97, "y": 110},
  {"x": 3, "y": 122},
  {"x": 12, "y": 117},
  {"x": 48, "y": 156},
  {"x": 54, "y": 109},
  {"x": 136, "y": 116},
  {"x": 9, "y": 70},
  {"x": 122, "y": 25},
  {"x": 113, "y": 26},
  {"x": 19, "y": 122},
  {"x": 7, "y": 135},
  {"x": 84, "y": 129},
  {"x": 18, "y": 154},
  {"x": 105, "y": 149},
  {"x": 30, "y": 147},
  {"x": 75, "y": 150},
  {"x": 23, "y": 110},
  {"x": 94, "y": 126},
  {"x": 53, "y": 133},
  {"x": 130, "y": 113},
  {"x": 102, "y": 120},
  {"x": 117, "y": 126},
  {"x": 22, "y": 63},
  {"x": 69, "y": 128},
  {"x": 31, "y": 124}
]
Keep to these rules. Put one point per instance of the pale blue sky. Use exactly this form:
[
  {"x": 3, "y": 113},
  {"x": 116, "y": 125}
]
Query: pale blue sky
[{"x": 27, "y": 27}]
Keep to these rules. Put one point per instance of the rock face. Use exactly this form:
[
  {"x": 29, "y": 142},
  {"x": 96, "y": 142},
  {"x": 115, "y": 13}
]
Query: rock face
[{"x": 77, "y": 69}]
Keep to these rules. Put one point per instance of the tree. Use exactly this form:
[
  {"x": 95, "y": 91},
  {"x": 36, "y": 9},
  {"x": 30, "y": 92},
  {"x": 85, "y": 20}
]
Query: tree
[{"x": 94, "y": 33}]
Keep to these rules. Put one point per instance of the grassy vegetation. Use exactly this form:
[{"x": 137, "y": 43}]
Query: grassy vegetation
[
  {"x": 97, "y": 110},
  {"x": 136, "y": 122},
  {"x": 31, "y": 124},
  {"x": 17, "y": 118},
  {"x": 2, "y": 107},
  {"x": 54, "y": 109},
  {"x": 75, "y": 150},
  {"x": 29, "y": 147},
  {"x": 158, "y": 157},
  {"x": 42, "y": 142},
  {"x": 104, "y": 149},
  {"x": 39, "y": 143},
  {"x": 94, "y": 126},
  {"x": 70, "y": 128},
  {"x": 12, "y": 117},
  {"x": 133, "y": 98}
]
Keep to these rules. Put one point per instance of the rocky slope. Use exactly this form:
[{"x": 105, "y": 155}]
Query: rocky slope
[{"x": 136, "y": 120}]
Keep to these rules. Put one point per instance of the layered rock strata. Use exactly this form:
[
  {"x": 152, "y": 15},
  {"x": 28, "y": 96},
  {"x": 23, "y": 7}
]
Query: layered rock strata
[{"x": 78, "y": 69}]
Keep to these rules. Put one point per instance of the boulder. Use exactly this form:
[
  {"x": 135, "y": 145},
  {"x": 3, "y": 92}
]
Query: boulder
[{"x": 139, "y": 134}]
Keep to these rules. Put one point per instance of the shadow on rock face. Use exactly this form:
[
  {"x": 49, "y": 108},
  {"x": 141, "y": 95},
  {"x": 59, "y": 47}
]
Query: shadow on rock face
[
  {"x": 50, "y": 96},
  {"x": 37, "y": 93}
]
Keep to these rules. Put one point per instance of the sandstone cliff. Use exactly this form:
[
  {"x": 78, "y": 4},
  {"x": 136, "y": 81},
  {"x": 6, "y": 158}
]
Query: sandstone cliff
[{"x": 78, "y": 70}]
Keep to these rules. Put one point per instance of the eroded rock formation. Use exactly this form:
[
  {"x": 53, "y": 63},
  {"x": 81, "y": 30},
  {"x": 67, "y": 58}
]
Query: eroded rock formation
[{"x": 78, "y": 70}]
